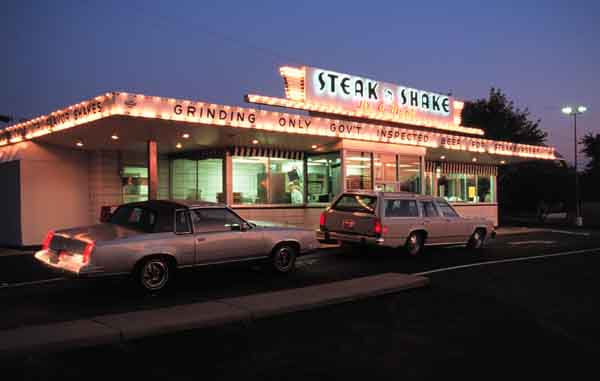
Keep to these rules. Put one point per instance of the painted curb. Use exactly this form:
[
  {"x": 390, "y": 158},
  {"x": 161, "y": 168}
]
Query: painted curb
[{"x": 118, "y": 328}]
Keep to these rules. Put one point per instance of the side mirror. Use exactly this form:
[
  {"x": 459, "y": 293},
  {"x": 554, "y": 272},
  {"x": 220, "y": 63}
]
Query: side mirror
[{"x": 236, "y": 227}]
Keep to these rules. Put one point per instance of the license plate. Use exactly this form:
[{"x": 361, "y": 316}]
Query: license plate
[{"x": 349, "y": 224}]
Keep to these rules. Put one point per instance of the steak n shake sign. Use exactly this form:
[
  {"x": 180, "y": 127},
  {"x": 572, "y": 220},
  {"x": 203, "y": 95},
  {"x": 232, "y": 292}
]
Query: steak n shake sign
[
  {"x": 332, "y": 92},
  {"x": 349, "y": 91}
]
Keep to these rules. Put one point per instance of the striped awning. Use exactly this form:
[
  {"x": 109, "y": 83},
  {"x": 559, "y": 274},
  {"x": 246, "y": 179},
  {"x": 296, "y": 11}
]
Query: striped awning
[
  {"x": 266, "y": 152},
  {"x": 463, "y": 168}
]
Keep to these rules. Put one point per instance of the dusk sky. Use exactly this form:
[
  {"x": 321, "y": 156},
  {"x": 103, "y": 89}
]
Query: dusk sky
[{"x": 542, "y": 54}]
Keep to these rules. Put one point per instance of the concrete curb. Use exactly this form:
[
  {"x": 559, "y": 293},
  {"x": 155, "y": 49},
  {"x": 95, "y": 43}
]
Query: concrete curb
[{"x": 118, "y": 328}]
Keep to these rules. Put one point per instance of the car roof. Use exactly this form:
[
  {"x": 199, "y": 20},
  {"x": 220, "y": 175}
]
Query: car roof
[
  {"x": 166, "y": 205},
  {"x": 393, "y": 194}
]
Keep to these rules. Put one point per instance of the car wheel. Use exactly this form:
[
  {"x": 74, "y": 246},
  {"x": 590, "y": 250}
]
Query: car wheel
[
  {"x": 476, "y": 240},
  {"x": 154, "y": 274},
  {"x": 283, "y": 258},
  {"x": 414, "y": 244}
]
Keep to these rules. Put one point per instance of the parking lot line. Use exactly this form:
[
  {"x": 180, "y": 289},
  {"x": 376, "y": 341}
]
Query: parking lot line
[
  {"x": 34, "y": 282},
  {"x": 585, "y": 234},
  {"x": 485, "y": 263}
]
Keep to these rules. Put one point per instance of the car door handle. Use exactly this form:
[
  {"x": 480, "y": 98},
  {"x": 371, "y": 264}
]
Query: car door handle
[{"x": 200, "y": 239}]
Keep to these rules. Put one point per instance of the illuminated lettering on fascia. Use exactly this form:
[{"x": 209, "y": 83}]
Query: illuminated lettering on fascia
[{"x": 357, "y": 89}]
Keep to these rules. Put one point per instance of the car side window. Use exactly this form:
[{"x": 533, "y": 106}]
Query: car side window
[
  {"x": 447, "y": 210},
  {"x": 401, "y": 208},
  {"x": 214, "y": 220},
  {"x": 429, "y": 209},
  {"x": 182, "y": 222}
]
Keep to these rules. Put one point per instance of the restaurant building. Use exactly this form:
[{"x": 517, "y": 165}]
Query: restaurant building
[{"x": 334, "y": 132}]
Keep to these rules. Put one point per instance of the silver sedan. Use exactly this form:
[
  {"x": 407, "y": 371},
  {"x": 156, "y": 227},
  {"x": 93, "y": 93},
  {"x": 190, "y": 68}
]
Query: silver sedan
[{"x": 150, "y": 240}]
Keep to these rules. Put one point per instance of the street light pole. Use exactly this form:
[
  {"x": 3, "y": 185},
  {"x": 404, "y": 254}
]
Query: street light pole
[{"x": 574, "y": 111}]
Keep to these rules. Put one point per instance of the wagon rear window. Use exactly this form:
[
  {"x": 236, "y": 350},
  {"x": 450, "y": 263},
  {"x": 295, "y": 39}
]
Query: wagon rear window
[
  {"x": 356, "y": 203},
  {"x": 401, "y": 208}
]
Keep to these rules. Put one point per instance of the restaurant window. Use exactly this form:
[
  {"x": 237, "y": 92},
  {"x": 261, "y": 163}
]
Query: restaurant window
[
  {"x": 409, "y": 173},
  {"x": 429, "y": 183},
  {"x": 197, "y": 179},
  {"x": 134, "y": 184},
  {"x": 264, "y": 180},
  {"x": 358, "y": 170},
  {"x": 460, "y": 187},
  {"x": 324, "y": 177},
  {"x": 485, "y": 189},
  {"x": 385, "y": 168}
]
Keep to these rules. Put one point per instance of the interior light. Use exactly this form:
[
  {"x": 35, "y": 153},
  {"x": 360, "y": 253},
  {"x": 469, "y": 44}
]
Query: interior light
[
  {"x": 443, "y": 157},
  {"x": 79, "y": 143},
  {"x": 114, "y": 137},
  {"x": 474, "y": 159},
  {"x": 185, "y": 136},
  {"x": 314, "y": 146},
  {"x": 178, "y": 145},
  {"x": 255, "y": 141},
  {"x": 502, "y": 161}
]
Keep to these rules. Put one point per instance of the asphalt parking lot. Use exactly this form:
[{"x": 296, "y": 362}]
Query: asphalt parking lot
[{"x": 485, "y": 315}]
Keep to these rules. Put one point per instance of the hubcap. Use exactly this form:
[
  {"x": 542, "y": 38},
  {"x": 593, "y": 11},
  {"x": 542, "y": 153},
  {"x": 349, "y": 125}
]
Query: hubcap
[
  {"x": 155, "y": 275},
  {"x": 477, "y": 240},
  {"x": 413, "y": 244},
  {"x": 283, "y": 258}
]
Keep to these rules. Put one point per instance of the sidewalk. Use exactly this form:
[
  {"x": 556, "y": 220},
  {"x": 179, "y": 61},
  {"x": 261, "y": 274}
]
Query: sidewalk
[{"x": 118, "y": 328}]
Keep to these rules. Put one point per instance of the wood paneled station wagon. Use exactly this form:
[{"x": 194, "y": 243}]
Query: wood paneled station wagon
[{"x": 400, "y": 220}]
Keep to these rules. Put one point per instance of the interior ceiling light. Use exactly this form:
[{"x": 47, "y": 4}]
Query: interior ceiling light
[
  {"x": 255, "y": 141},
  {"x": 314, "y": 146},
  {"x": 178, "y": 145},
  {"x": 114, "y": 137},
  {"x": 185, "y": 136},
  {"x": 79, "y": 143}
]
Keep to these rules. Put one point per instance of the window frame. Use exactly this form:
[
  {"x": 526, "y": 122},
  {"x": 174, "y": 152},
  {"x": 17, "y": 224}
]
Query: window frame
[
  {"x": 244, "y": 225},
  {"x": 439, "y": 204},
  {"x": 401, "y": 199},
  {"x": 435, "y": 207},
  {"x": 189, "y": 222}
]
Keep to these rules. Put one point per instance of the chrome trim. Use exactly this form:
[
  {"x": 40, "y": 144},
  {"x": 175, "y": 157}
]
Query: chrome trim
[
  {"x": 445, "y": 243},
  {"x": 221, "y": 262}
]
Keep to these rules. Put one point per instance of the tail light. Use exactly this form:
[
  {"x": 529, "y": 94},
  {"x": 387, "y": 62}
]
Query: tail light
[
  {"x": 87, "y": 252},
  {"x": 322, "y": 219},
  {"x": 47, "y": 240},
  {"x": 378, "y": 228}
]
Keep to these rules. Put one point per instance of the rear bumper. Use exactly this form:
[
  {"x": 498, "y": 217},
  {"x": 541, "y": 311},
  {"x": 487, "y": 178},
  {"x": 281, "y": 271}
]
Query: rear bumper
[
  {"x": 326, "y": 236},
  {"x": 67, "y": 266}
]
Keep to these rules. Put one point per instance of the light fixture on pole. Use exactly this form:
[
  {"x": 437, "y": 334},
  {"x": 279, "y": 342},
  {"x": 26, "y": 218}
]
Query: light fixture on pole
[{"x": 568, "y": 110}]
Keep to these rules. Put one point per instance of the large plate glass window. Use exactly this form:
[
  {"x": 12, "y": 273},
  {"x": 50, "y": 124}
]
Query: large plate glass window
[
  {"x": 358, "y": 170},
  {"x": 324, "y": 177},
  {"x": 385, "y": 168},
  {"x": 134, "y": 183},
  {"x": 267, "y": 180},
  {"x": 409, "y": 173},
  {"x": 197, "y": 179}
]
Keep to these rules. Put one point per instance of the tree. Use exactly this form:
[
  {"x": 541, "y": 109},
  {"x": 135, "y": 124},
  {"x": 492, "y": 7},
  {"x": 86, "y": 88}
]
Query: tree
[
  {"x": 590, "y": 180},
  {"x": 591, "y": 149},
  {"x": 501, "y": 120}
]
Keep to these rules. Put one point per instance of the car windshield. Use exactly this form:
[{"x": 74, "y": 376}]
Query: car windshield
[
  {"x": 356, "y": 203},
  {"x": 134, "y": 217}
]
